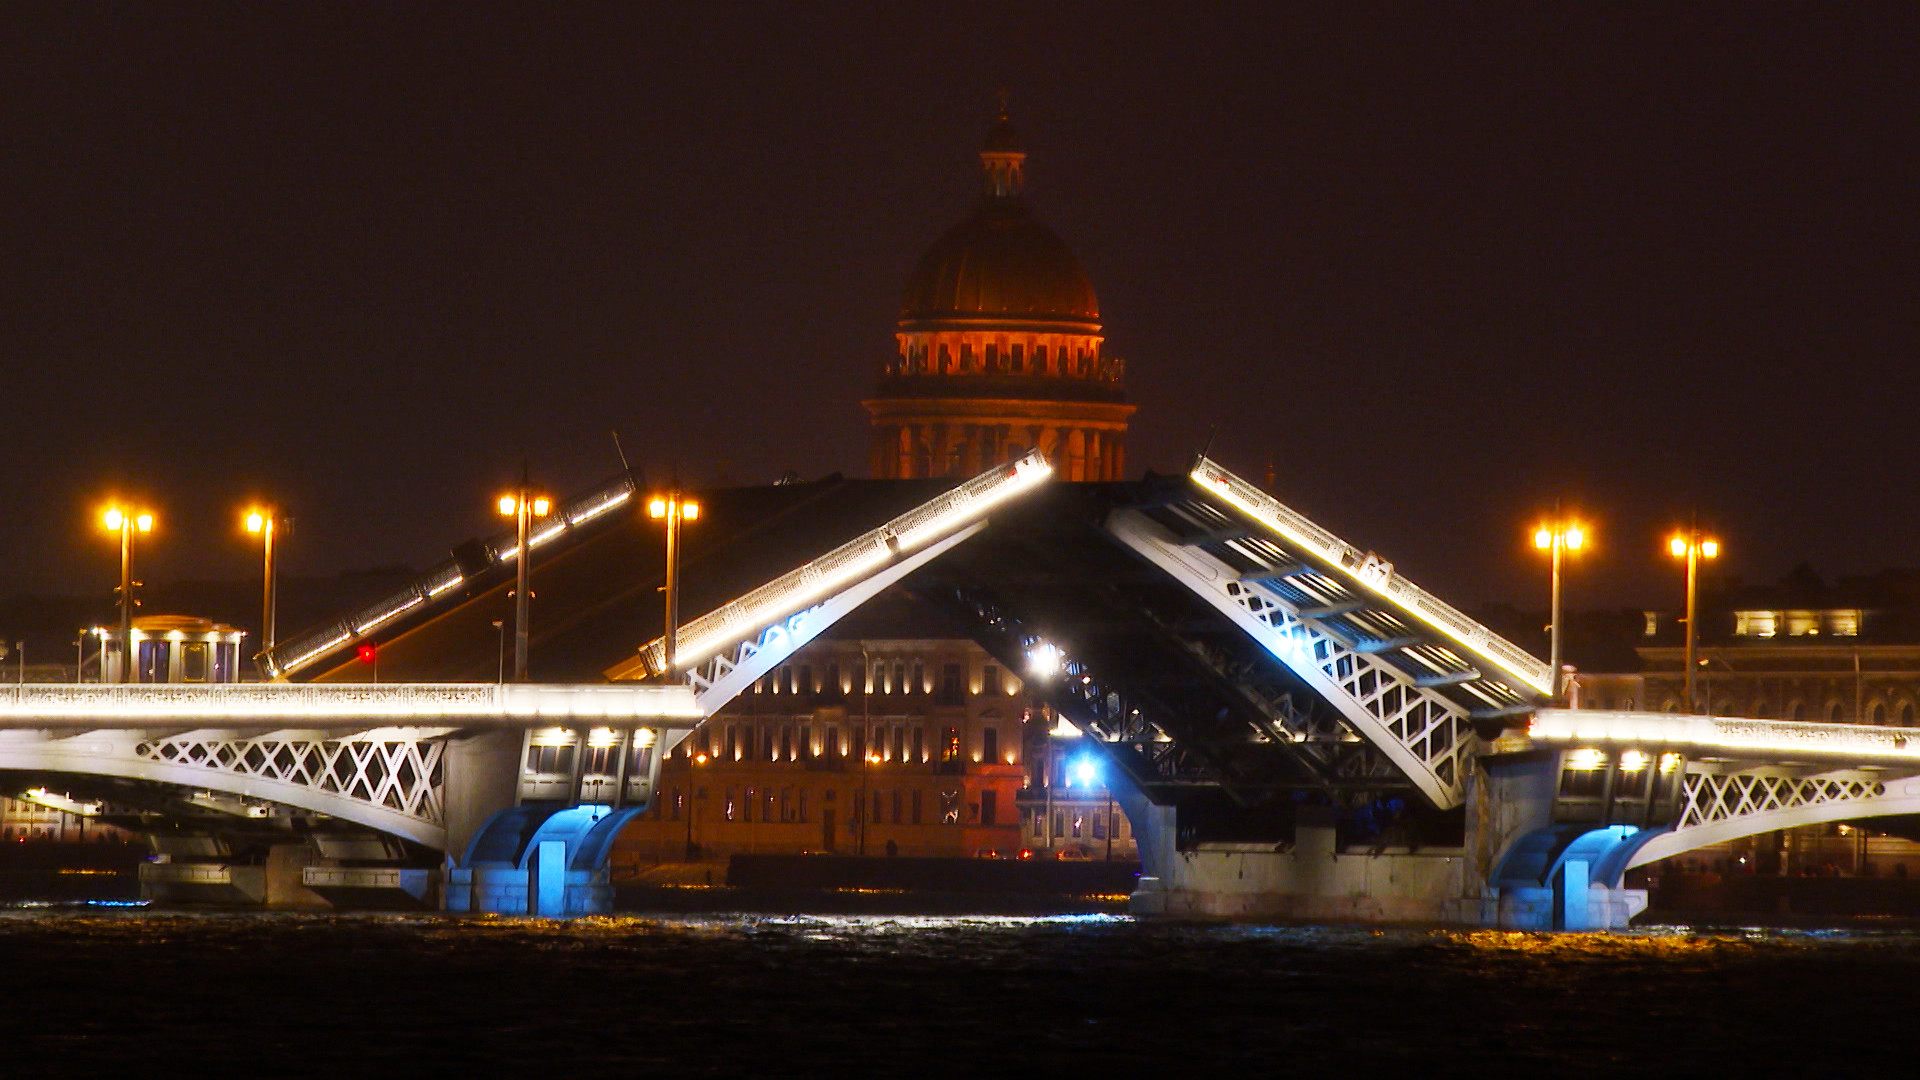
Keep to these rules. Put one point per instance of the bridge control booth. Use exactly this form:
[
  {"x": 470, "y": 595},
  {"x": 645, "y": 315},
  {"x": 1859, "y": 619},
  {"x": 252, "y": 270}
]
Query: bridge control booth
[
  {"x": 171, "y": 649},
  {"x": 1292, "y": 728}
]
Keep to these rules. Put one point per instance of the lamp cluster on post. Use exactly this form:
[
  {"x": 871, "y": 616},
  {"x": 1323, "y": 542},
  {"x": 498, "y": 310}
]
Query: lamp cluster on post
[
  {"x": 126, "y": 522},
  {"x": 1559, "y": 536},
  {"x": 672, "y": 508},
  {"x": 1691, "y": 546},
  {"x": 522, "y": 506}
]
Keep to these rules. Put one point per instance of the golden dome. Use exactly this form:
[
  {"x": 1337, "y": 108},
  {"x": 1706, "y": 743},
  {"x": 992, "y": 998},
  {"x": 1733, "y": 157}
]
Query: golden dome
[{"x": 1000, "y": 263}]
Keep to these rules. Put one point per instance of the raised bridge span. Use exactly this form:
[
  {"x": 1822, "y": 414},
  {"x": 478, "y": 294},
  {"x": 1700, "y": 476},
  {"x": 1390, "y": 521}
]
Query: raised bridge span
[{"x": 1257, "y": 683}]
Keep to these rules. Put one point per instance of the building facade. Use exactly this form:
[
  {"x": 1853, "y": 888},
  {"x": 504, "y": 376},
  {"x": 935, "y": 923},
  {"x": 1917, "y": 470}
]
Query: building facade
[{"x": 887, "y": 746}]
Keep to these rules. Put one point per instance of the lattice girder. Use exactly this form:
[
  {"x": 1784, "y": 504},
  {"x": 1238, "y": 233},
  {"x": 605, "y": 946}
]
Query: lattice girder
[
  {"x": 1426, "y": 736},
  {"x": 1721, "y": 802},
  {"x": 392, "y": 779}
]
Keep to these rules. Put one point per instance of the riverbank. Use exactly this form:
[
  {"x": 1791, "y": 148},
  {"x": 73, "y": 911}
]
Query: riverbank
[{"x": 850, "y": 885}]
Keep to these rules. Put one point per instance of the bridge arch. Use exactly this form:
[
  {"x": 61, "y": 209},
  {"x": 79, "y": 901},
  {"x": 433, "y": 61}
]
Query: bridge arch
[
  {"x": 1892, "y": 798},
  {"x": 1766, "y": 804},
  {"x": 391, "y": 787}
]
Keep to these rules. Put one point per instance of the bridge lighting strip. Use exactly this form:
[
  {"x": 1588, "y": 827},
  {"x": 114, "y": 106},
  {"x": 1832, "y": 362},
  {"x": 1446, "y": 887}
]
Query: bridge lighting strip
[
  {"x": 1375, "y": 575},
  {"x": 604, "y": 505},
  {"x": 569, "y": 521},
  {"x": 332, "y": 644},
  {"x": 794, "y": 591},
  {"x": 42, "y": 797},
  {"x": 413, "y": 603},
  {"x": 1773, "y": 737},
  {"x": 99, "y": 705}
]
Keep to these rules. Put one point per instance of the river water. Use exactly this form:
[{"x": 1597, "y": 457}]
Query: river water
[{"x": 106, "y": 991}]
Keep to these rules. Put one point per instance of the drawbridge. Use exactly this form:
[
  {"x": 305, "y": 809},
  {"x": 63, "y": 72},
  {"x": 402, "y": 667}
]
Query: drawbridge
[{"x": 1261, "y": 687}]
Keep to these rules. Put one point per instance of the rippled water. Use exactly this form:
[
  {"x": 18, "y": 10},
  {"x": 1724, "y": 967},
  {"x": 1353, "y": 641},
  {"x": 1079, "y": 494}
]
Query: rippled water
[{"x": 105, "y": 991}]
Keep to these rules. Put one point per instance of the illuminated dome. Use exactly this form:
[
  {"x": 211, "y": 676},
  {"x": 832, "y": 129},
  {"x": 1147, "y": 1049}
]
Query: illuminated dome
[
  {"x": 1000, "y": 263},
  {"x": 999, "y": 348}
]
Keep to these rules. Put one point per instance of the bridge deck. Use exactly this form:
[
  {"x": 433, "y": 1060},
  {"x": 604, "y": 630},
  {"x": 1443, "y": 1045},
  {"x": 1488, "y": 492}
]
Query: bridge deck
[
  {"x": 1762, "y": 741},
  {"x": 96, "y": 706}
]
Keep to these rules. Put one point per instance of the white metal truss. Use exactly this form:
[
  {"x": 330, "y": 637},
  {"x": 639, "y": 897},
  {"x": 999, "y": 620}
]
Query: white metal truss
[
  {"x": 398, "y": 774},
  {"x": 388, "y": 779},
  {"x": 1720, "y": 802},
  {"x": 1706, "y": 797},
  {"x": 1425, "y": 735}
]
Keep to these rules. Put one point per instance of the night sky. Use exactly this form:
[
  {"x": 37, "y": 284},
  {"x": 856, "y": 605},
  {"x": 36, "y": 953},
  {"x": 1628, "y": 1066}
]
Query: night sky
[{"x": 1442, "y": 264}]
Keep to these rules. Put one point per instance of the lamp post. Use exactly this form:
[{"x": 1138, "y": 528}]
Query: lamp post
[
  {"x": 127, "y": 522},
  {"x": 522, "y": 506},
  {"x": 673, "y": 509},
  {"x": 500, "y": 650},
  {"x": 1562, "y": 535},
  {"x": 694, "y": 761},
  {"x": 1693, "y": 547},
  {"x": 262, "y": 520}
]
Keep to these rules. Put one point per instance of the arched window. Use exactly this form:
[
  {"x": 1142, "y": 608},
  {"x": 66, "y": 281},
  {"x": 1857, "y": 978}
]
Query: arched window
[{"x": 1903, "y": 715}]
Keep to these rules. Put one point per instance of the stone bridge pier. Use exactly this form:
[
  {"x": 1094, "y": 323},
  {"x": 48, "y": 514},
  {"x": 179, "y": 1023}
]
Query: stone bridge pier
[{"x": 1514, "y": 869}]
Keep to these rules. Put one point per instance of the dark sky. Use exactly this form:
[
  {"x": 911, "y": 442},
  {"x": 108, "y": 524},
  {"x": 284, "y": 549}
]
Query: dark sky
[{"x": 1443, "y": 264}]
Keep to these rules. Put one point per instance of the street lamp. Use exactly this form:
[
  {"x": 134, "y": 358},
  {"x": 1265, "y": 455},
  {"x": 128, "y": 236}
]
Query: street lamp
[
  {"x": 126, "y": 522},
  {"x": 693, "y": 789},
  {"x": 1693, "y": 547},
  {"x": 673, "y": 509},
  {"x": 522, "y": 506},
  {"x": 261, "y": 520},
  {"x": 1560, "y": 536}
]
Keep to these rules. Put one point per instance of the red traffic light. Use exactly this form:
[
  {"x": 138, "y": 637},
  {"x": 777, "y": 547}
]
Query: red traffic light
[{"x": 366, "y": 652}]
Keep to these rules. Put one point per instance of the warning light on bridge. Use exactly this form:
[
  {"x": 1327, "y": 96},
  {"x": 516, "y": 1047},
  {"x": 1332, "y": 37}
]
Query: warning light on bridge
[{"x": 366, "y": 653}]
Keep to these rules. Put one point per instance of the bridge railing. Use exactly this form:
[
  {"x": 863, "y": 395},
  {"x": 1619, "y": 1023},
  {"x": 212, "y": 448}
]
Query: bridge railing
[
  {"x": 1864, "y": 743},
  {"x": 99, "y": 705}
]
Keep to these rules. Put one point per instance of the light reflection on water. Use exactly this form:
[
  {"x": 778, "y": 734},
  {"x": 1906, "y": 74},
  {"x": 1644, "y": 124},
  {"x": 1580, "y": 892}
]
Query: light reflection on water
[{"x": 928, "y": 995}]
